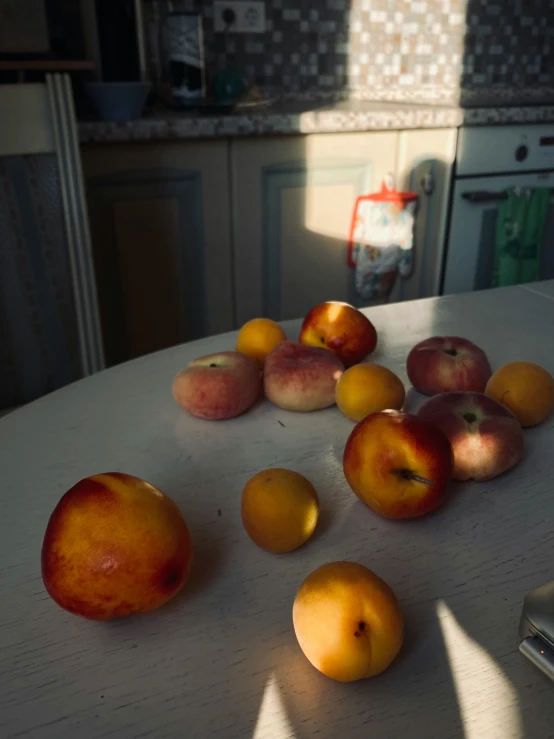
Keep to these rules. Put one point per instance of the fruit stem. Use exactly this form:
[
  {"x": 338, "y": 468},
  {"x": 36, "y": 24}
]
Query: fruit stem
[
  {"x": 409, "y": 475},
  {"x": 424, "y": 480}
]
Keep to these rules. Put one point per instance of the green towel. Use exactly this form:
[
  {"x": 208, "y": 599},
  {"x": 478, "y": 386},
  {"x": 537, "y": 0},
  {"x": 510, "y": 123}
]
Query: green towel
[{"x": 519, "y": 236}]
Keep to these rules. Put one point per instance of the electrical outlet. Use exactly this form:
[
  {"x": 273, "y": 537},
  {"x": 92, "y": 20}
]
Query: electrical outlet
[{"x": 239, "y": 16}]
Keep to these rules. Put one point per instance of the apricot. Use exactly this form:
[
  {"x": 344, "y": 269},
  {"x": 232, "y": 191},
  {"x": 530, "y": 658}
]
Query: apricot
[
  {"x": 367, "y": 388},
  {"x": 526, "y": 389},
  {"x": 258, "y": 337},
  {"x": 279, "y": 510},
  {"x": 347, "y": 621}
]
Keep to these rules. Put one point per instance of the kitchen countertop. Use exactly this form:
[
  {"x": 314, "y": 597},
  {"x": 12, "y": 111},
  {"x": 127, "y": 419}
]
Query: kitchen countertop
[
  {"x": 309, "y": 116},
  {"x": 221, "y": 659}
]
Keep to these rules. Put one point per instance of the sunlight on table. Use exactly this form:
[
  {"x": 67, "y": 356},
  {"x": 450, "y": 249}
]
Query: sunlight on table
[
  {"x": 486, "y": 698},
  {"x": 272, "y": 717}
]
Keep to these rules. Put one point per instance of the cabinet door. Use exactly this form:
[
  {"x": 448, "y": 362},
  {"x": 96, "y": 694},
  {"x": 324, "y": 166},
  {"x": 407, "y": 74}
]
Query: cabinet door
[
  {"x": 426, "y": 156},
  {"x": 160, "y": 224},
  {"x": 293, "y": 199}
]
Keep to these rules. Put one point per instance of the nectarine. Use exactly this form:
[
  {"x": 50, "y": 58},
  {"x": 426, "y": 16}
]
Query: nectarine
[
  {"x": 115, "y": 545},
  {"x": 398, "y": 464},
  {"x": 342, "y": 329}
]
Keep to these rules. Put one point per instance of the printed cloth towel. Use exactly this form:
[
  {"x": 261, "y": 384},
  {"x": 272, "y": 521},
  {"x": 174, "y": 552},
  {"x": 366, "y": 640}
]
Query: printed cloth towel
[
  {"x": 520, "y": 230},
  {"x": 381, "y": 240}
]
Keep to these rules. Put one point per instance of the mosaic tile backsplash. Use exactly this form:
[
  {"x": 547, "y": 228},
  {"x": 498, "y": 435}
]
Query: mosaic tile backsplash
[{"x": 396, "y": 45}]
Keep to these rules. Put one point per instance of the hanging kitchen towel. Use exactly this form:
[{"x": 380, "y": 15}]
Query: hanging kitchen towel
[
  {"x": 381, "y": 240},
  {"x": 519, "y": 236}
]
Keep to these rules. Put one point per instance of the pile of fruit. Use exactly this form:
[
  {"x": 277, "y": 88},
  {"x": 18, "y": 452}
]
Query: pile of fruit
[{"x": 115, "y": 545}]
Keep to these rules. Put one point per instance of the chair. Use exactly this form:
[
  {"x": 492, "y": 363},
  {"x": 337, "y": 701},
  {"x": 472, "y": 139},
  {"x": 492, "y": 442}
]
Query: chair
[{"x": 49, "y": 321}]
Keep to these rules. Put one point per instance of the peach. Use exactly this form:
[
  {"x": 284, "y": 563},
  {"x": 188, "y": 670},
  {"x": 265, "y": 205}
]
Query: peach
[
  {"x": 397, "y": 464},
  {"x": 526, "y": 388},
  {"x": 218, "y": 386},
  {"x": 115, "y": 545},
  {"x": 342, "y": 329},
  {"x": 485, "y": 437},
  {"x": 301, "y": 378},
  {"x": 366, "y": 388},
  {"x": 445, "y": 364},
  {"x": 347, "y": 621},
  {"x": 279, "y": 510}
]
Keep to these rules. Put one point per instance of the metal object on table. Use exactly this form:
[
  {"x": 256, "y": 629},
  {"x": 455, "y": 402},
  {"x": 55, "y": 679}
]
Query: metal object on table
[{"x": 536, "y": 628}]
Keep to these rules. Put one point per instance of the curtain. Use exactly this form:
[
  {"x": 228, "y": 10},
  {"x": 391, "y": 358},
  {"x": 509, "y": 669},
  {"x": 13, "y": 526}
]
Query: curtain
[{"x": 38, "y": 332}]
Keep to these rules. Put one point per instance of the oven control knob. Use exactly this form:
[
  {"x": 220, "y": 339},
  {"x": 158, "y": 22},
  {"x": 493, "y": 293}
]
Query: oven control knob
[{"x": 522, "y": 152}]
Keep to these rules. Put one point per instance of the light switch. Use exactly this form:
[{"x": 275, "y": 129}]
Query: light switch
[{"x": 239, "y": 16}]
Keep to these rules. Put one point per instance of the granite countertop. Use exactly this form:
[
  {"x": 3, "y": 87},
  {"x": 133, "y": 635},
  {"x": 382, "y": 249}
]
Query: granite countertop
[{"x": 309, "y": 115}]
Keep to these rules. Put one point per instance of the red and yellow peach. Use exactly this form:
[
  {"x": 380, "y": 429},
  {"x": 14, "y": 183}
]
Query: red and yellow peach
[
  {"x": 301, "y": 378},
  {"x": 115, "y": 545},
  {"x": 218, "y": 386}
]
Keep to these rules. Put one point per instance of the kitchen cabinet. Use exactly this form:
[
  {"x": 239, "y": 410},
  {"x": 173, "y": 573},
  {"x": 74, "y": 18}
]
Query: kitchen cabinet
[
  {"x": 292, "y": 207},
  {"x": 424, "y": 164},
  {"x": 161, "y": 232},
  {"x": 195, "y": 238},
  {"x": 293, "y": 199}
]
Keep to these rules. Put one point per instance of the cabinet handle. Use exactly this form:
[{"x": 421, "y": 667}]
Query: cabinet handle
[{"x": 428, "y": 182}]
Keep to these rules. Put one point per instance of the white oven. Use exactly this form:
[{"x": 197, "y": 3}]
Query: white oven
[{"x": 489, "y": 162}]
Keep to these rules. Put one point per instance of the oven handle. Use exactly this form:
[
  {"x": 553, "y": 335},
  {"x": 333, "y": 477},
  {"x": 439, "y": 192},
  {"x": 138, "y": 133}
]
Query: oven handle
[{"x": 483, "y": 196}]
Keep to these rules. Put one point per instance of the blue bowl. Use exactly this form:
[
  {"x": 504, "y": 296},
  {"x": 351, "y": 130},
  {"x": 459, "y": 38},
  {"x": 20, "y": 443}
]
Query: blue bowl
[{"x": 118, "y": 101}]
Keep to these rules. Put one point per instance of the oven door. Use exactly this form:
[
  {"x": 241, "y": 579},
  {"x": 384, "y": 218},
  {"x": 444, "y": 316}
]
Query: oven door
[{"x": 470, "y": 251}]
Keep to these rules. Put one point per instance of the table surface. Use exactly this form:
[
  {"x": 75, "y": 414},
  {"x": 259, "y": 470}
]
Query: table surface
[{"x": 221, "y": 659}]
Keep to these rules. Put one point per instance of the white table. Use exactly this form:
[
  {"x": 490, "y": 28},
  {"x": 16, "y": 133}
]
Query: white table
[{"x": 221, "y": 660}]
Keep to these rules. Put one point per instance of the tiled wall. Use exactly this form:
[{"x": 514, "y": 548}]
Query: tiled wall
[
  {"x": 509, "y": 42},
  {"x": 392, "y": 44}
]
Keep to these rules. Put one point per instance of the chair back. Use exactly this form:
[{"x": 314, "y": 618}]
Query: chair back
[{"x": 49, "y": 321}]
